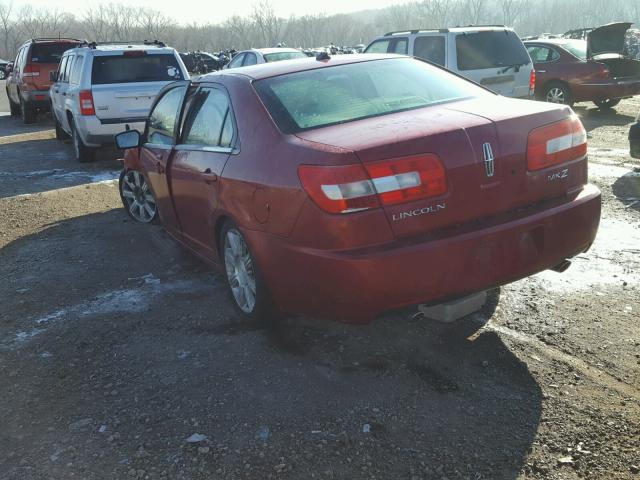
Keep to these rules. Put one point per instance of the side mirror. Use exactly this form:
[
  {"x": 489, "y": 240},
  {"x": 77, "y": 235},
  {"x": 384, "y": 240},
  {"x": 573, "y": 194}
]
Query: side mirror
[
  {"x": 128, "y": 139},
  {"x": 9, "y": 68},
  {"x": 53, "y": 76}
]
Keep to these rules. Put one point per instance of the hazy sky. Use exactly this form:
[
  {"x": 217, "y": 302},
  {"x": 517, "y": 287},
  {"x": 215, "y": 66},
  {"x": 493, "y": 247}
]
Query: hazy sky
[{"x": 215, "y": 11}]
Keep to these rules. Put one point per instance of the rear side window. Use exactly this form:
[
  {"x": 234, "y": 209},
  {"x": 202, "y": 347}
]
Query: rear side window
[
  {"x": 328, "y": 96},
  {"x": 162, "y": 121},
  {"x": 136, "y": 67},
  {"x": 76, "y": 71},
  {"x": 430, "y": 48},
  {"x": 276, "y": 57},
  {"x": 490, "y": 49},
  {"x": 49, "y": 52},
  {"x": 389, "y": 45},
  {"x": 210, "y": 120}
]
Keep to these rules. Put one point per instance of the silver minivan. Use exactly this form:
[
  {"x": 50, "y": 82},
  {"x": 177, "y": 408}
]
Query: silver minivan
[
  {"x": 492, "y": 56},
  {"x": 99, "y": 89}
]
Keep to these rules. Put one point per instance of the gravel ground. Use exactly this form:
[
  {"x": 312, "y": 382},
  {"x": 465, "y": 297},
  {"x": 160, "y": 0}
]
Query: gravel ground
[{"x": 120, "y": 356}]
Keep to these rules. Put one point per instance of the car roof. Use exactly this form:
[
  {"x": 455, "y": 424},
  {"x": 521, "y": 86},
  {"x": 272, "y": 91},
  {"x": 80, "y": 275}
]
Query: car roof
[
  {"x": 555, "y": 41},
  {"x": 459, "y": 29},
  {"x": 266, "y": 51},
  {"x": 266, "y": 70},
  {"x": 121, "y": 47}
]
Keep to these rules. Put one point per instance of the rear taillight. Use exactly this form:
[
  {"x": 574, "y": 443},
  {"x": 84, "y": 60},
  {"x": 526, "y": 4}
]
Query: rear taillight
[
  {"x": 31, "y": 70},
  {"x": 86, "y": 103},
  {"x": 353, "y": 188},
  {"x": 556, "y": 143},
  {"x": 532, "y": 81}
]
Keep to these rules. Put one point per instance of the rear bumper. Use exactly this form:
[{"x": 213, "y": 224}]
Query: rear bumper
[
  {"x": 95, "y": 132},
  {"x": 613, "y": 89},
  {"x": 36, "y": 98},
  {"x": 357, "y": 286}
]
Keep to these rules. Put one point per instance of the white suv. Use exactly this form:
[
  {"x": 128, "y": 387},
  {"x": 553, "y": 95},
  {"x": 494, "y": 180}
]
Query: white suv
[
  {"x": 100, "y": 88},
  {"x": 492, "y": 56}
]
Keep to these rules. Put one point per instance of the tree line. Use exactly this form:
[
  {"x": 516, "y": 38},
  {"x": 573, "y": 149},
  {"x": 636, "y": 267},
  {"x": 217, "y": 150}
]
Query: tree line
[{"x": 263, "y": 27}]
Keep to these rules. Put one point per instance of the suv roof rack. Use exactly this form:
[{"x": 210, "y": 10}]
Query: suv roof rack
[
  {"x": 418, "y": 30},
  {"x": 52, "y": 39},
  {"x": 94, "y": 45},
  {"x": 488, "y": 25}
]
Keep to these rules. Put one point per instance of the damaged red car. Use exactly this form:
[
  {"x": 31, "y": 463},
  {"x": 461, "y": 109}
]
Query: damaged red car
[
  {"x": 596, "y": 69},
  {"x": 347, "y": 187}
]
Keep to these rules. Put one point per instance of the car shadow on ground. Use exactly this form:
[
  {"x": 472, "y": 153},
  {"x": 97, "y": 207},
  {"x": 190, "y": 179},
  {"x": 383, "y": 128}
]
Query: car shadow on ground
[
  {"x": 594, "y": 117},
  {"x": 13, "y": 125},
  {"x": 32, "y": 165},
  {"x": 627, "y": 189},
  {"x": 117, "y": 345}
]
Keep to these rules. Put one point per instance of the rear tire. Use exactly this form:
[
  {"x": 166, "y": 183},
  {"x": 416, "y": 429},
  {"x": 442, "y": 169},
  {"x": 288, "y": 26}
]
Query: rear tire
[
  {"x": 246, "y": 287},
  {"x": 28, "y": 113},
  {"x": 557, "y": 92},
  {"x": 13, "y": 107},
  {"x": 607, "y": 103},
  {"x": 82, "y": 153}
]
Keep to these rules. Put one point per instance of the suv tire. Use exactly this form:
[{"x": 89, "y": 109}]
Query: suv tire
[
  {"x": 60, "y": 133},
  {"x": 82, "y": 153},
  {"x": 28, "y": 113},
  {"x": 13, "y": 107}
]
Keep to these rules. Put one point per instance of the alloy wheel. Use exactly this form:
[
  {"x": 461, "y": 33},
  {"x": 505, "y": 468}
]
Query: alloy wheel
[
  {"x": 240, "y": 271},
  {"x": 556, "y": 95},
  {"x": 138, "y": 197}
]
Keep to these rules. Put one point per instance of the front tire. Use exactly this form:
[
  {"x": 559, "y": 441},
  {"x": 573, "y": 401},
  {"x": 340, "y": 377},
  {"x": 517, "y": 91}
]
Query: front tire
[
  {"x": 557, "y": 92},
  {"x": 607, "y": 103},
  {"x": 82, "y": 153},
  {"x": 247, "y": 289},
  {"x": 13, "y": 107},
  {"x": 136, "y": 196},
  {"x": 60, "y": 133}
]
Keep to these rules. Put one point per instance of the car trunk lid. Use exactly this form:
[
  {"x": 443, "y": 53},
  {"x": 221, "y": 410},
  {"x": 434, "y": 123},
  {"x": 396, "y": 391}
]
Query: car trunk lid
[
  {"x": 484, "y": 155},
  {"x": 607, "y": 39}
]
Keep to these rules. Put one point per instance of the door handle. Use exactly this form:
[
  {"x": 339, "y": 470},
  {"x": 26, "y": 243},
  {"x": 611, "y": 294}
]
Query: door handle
[
  {"x": 209, "y": 176},
  {"x": 541, "y": 71}
]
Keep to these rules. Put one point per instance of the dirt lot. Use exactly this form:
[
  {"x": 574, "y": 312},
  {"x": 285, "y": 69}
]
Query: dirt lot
[{"x": 116, "y": 346}]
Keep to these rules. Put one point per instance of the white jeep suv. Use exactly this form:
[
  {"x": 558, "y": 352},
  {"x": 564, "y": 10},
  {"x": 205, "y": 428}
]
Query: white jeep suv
[
  {"x": 491, "y": 55},
  {"x": 99, "y": 89}
]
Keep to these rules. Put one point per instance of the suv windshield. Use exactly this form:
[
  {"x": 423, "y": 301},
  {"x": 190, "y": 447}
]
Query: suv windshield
[
  {"x": 49, "y": 52},
  {"x": 490, "y": 49},
  {"x": 276, "y": 57},
  {"x": 328, "y": 96},
  {"x": 135, "y": 68}
]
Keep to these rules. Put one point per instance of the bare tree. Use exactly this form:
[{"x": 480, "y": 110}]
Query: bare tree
[{"x": 267, "y": 23}]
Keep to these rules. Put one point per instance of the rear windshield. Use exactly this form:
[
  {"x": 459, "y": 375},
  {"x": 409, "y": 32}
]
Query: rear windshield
[
  {"x": 49, "y": 52},
  {"x": 276, "y": 57},
  {"x": 132, "y": 69},
  {"x": 491, "y": 49},
  {"x": 328, "y": 96},
  {"x": 577, "y": 48}
]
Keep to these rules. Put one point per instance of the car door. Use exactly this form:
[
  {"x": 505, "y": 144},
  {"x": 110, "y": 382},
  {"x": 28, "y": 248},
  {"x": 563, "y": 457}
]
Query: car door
[
  {"x": 207, "y": 140},
  {"x": 59, "y": 90},
  {"x": 15, "y": 76},
  {"x": 544, "y": 62},
  {"x": 158, "y": 146},
  {"x": 72, "y": 93}
]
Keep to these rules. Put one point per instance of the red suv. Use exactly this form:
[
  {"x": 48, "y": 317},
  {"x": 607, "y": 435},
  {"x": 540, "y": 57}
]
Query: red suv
[{"x": 28, "y": 83}]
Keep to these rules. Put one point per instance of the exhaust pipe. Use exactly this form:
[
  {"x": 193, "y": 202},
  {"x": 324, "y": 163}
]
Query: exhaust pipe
[{"x": 562, "y": 266}]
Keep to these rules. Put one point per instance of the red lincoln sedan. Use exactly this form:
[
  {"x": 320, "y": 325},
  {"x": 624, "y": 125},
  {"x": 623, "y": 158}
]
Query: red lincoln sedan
[{"x": 347, "y": 187}]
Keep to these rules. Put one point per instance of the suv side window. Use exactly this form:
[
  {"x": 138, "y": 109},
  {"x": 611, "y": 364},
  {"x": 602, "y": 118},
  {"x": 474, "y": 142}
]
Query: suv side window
[
  {"x": 210, "y": 121},
  {"x": 161, "y": 129},
  {"x": 430, "y": 48},
  {"x": 74, "y": 76},
  {"x": 389, "y": 45},
  {"x": 61, "y": 69},
  {"x": 249, "y": 59},
  {"x": 67, "y": 68},
  {"x": 236, "y": 61}
]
